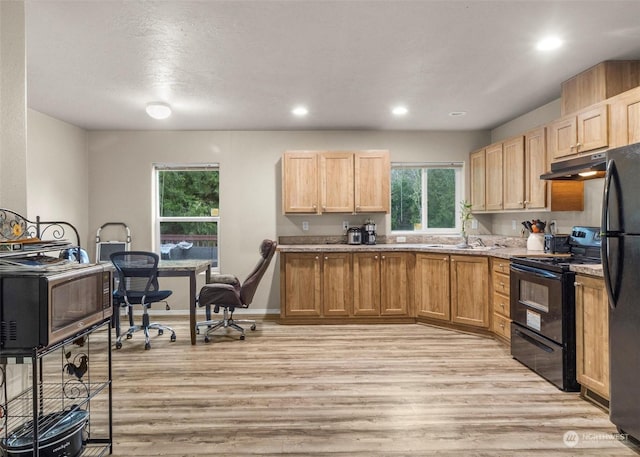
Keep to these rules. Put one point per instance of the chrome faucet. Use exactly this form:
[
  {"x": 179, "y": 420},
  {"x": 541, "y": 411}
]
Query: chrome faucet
[{"x": 480, "y": 242}]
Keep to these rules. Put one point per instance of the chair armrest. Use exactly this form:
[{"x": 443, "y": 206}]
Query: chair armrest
[{"x": 224, "y": 279}]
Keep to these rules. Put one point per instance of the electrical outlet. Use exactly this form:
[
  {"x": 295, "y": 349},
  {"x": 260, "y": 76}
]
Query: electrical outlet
[
  {"x": 305, "y": 225},
  {"x": 514, "y": 227},
  {"x": 345, "y": 226},
  {"x": 474, "y": 223},
  {"x": 401, "y": 239}
]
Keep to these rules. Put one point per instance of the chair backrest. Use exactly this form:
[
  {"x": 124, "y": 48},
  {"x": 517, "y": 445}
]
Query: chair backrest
[
  {"x": 249, "y": 286},
  {"x": 137, "y": 271}
]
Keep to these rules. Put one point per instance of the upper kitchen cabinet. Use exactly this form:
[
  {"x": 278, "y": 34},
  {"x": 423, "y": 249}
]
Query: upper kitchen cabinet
[
  {"x": 513, "y": 173},
  {"x": 372, "y": 182},
  {"x": 583, "y": 132},
  {"x": 477, "y": 161},
  {"x": 300, "y": 182},
  {"x": 598, "y": 83},
  {"x": 493, "y": 177},
  {"x": 625, "y": 119},
  {"x": 335, "y": 182},
  {"x": 535, "y": 163}
]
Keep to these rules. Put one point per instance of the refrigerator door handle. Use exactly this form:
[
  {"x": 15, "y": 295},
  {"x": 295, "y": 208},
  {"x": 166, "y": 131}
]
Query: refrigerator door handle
[{"x": 606, "y": 234}]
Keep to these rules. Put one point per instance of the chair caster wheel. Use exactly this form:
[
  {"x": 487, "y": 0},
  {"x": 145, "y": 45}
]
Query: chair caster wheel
[
  {"x": 147, "y": 346},
  {"x": 173, "y": 338},
  {"x": 160, "y": 331},
  {"x": 197, "y": 330},
  {"x": 253, "y": 328},
  {"x": 242, "y": 337},
  {"x": 118, "y": 345},
  {"x": 129, "y": 336},
  {"x": 206, "y": 339}
]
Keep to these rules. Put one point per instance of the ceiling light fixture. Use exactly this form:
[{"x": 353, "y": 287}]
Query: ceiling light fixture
[
  {"x": 457, "y": 113},
  {"x": 300, "y": 111},
  {"x": 549, "y": 44},
  {"x": 399, "y": 110},
  {"x": 158, "y": 110}
]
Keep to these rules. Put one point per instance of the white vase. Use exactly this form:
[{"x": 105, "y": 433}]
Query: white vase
[{"x": 535, "y": 242}]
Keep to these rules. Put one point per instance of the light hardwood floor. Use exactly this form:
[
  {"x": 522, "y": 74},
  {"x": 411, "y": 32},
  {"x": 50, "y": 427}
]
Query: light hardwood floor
[{"x": 351, "y": 390}]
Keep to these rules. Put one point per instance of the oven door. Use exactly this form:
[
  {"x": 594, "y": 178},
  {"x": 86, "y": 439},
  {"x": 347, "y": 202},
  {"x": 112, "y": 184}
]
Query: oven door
[{"x": 537, "y": 298}]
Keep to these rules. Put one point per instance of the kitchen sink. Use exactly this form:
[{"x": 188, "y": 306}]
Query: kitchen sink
[{"x": 459, "y": 248}]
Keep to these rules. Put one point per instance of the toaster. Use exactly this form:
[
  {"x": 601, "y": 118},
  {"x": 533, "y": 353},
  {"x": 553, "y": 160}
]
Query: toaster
[{"x": 556, "y": 243}]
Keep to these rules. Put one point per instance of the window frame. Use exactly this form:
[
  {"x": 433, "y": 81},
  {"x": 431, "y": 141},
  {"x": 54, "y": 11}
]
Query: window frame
[
  {"x": 459, "y": 168},
  {"x": 158, "y": 219}
]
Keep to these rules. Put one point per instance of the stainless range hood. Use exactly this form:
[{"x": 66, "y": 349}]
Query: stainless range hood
[{"x": 580, "y": 168}]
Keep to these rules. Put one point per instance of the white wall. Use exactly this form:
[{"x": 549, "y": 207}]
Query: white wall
[{"x": 120, "y": 174}]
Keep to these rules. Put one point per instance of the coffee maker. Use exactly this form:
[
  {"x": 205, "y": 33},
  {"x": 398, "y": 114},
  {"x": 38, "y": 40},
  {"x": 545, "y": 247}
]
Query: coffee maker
[{"x": 369, "y": 232}]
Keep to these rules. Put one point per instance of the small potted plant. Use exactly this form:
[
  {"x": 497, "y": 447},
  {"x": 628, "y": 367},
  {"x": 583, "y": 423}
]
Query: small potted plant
[{"x": 465, "y": 217}]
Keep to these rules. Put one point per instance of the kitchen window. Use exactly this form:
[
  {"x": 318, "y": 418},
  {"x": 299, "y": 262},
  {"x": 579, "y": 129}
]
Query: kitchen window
[
  {"x": 188, "y": 211},
  {"x": 426, "y": 197}
]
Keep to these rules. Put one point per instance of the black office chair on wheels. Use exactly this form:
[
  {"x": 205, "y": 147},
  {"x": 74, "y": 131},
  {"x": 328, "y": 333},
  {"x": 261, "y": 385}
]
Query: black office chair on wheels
[
  {"x": 137, "y": 273},
  {"x": 226, "y": 291}
]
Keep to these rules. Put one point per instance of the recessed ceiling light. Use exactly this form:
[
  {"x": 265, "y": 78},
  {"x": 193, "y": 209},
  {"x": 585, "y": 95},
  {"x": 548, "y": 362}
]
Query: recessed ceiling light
[
  {"x": 399, "y": 110},
  {"x": 300, "y": 111},
  {"x": 457, "y": 113},
  {"x": 549, "y": 43},
  {"x": 158, "y": 110}
]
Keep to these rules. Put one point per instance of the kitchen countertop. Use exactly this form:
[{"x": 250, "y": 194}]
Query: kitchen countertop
[{"x": 490, "y": 251}]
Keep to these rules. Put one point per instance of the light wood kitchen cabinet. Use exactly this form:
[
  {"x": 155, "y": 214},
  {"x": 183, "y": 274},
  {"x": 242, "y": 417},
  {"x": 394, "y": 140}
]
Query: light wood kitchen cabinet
[
  {"x": 300, "y": 182},
  {"x": 500, "y": 305},
  {"x": 337, "y": 284},
  {"x": 432, "y": 286},
  {"x": 592, "y": 334},
  {"x": 477, "y": 164},
  {"x": 586, "y": 131},
  {"x": 493, "y": 177},
  {"x": 513, "y": 173},
  {"x": 625, "y": 119},
  {"x": 372, "y": 182},
  {"x": 336, "y": 182},
  {"x": 315, "y": 182},
  {"x": 300, "y": 284},
  {"x": 470, "y": 290},
  {"x": 381, "y": 284},
  {"x": 535, "y": 153}
]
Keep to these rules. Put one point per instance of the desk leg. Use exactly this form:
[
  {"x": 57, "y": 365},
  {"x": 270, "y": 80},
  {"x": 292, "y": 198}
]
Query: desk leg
[{"x": 192, "y": 306}]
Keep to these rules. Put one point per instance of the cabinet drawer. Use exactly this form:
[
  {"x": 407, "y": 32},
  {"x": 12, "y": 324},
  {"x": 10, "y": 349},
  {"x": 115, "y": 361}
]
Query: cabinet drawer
[
  {"x": 501, "y": 283},
  {"x": 501, "y": 304},
  {"x": 500, "y": 266},
  {"x": 501, "y": 326}
]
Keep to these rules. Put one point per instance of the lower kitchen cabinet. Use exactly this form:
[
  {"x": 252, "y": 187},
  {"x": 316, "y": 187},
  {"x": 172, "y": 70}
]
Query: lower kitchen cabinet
[
  {"x": 470, "y": 290},
  {"x": 300, "y": 284},
  {"x": 592, "y": 334},
  {"x": 337, "y": 287},
  {"x": 432, "y": 286},
  {"x": 500, "y": 290},
  {"x": 381, "y": 284}
]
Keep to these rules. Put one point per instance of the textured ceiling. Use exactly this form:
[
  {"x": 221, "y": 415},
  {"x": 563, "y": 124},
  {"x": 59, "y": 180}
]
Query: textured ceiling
[{"x": 242, "y": 65}]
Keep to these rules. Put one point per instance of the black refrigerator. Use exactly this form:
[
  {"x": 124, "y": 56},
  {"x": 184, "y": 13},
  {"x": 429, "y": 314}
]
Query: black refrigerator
[{"x": 621, "y": 267}]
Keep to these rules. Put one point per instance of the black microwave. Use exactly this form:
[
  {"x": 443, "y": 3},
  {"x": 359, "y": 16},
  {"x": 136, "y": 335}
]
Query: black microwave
[{"x": 41, "y": 309}]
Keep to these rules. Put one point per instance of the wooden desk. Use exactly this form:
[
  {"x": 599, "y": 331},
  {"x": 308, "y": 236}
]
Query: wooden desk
[{"x": 190, "y": 269}]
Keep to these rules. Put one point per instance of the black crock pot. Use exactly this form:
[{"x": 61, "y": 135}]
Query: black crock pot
[{"x": 60, "y": 436}]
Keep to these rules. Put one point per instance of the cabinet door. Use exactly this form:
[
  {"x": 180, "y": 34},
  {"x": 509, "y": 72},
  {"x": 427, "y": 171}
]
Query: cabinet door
[
  {"x": 563, "y": 136},
  {"x": 494, "y": 177},
  {"x": 432, "y": 296},
  {"x": 337, "y": 288},
  {"x": 366, "y": 284},
  {"x": 593, "y": 128},
  {"x": 470, "y": 290},
  {"x": 513, "y": 173},
  {"x": 535, "y": 153},
  {"x": 336, "y": 182},
  {"x": 592, "y": 334},
  {"x": 301, "y": 284},
  {"x": 300, "y": 182},
  {"x": 477, "y": 175},
  {"x": 625, "y": 119},
  {"x": 394, "y": 283},
  {"x": 372, "y": 181}
]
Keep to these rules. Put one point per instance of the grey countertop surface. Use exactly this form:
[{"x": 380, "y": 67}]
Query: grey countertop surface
[{"x": 490, "y": 251}]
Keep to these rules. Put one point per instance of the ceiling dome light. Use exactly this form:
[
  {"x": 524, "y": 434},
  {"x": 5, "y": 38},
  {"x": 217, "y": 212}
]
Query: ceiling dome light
[
  {"x": 399, "y": 110},
  {"x": 300, "y": 111},
  {"x": 158, "y": 110},
  {"x": 549, "y": 44}
]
